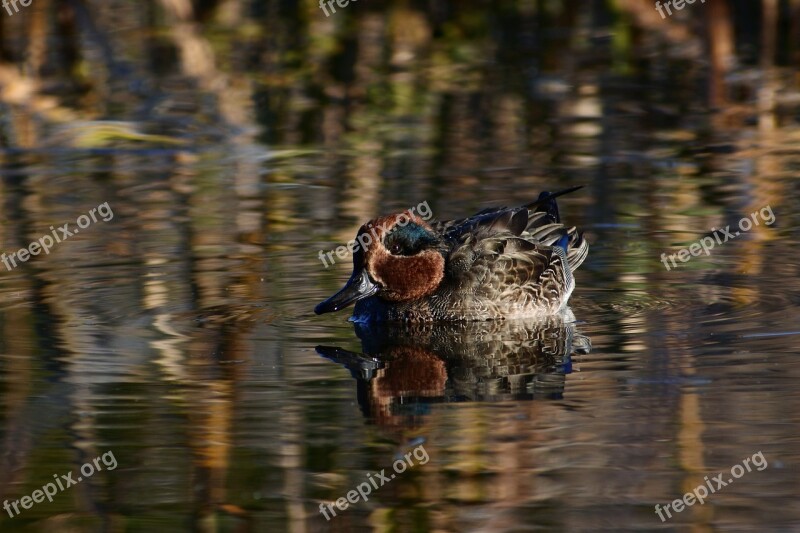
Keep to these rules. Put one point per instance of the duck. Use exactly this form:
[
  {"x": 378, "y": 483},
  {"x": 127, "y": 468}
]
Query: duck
[{"x": 498, "y": 264}]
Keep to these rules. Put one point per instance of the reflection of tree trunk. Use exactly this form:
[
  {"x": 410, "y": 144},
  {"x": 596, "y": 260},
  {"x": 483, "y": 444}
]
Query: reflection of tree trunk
[
  {"x": 751, "y": 256},
  {"x": 720, "y": 48},
  {"x": 17, "y": 441},
  {"x": 794, "y": 43},
  {"x": 768, "y": 88},
  {"x": 5, "y": 55},
  {"x": 37, "y": 32},
  {"x": 691, "y": 447},
  {"x": 769, "y": 31}
]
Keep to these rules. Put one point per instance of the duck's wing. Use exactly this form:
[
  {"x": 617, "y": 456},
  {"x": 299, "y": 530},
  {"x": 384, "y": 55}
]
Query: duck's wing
[
  {"x": 515, "y": 272},
  {"x": 507, "y": 217},
  {"x": 537, "y": 221}
]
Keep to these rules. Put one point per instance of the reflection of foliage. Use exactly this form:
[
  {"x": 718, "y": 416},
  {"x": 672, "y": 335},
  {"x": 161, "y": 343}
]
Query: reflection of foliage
[{"x": 395, "y": 58}]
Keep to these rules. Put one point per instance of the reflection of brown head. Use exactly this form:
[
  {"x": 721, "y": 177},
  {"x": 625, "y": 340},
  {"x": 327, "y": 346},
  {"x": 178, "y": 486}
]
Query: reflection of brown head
[{"x": 413, "y": 372}]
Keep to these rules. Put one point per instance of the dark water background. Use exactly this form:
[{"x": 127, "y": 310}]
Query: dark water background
[{"x": 235, "y": 140}]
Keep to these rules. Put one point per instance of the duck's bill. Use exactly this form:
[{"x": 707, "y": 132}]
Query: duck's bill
[{"x": 357, "y": 288}]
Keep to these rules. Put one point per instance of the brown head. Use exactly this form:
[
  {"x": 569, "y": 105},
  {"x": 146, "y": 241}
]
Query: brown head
[{"x": 399, "y": 258}]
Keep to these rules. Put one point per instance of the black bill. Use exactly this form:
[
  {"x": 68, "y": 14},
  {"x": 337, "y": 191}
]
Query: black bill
[{"x": 358, "y": 287}]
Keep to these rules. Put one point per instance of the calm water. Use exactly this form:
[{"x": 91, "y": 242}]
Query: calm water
[{"x": 177, "y": 337}]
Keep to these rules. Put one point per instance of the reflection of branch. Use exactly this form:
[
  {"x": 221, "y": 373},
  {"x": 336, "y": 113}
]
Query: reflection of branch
[
  {"x": 197, "y": 59},
  {"x": 16, "y": 90},
  {"x": 197, "y": 56},
  {"x": 645, "y": 15},
  {"x": 180, "y": 9}
]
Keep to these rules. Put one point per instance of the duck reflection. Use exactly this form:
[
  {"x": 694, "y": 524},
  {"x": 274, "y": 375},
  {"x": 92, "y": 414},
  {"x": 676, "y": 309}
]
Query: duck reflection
[{"x": 403, "y": 368}]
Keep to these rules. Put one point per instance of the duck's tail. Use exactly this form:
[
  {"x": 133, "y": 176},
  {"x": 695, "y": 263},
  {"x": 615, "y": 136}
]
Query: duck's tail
[
  {"x": 545, "y": 225},
  {"x": 547, "y": 202}
]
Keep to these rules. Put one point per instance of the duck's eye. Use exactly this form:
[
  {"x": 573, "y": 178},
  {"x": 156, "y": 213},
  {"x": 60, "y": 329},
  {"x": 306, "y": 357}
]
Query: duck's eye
[
  {"x": 408, "y": 240},
  {"x": 397, "y": 245}
]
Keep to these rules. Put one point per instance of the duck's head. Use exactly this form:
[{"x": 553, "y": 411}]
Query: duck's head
[{"x": 398, "y": 258}]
